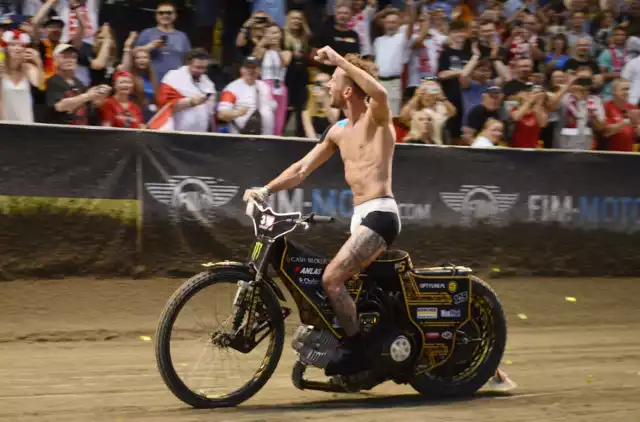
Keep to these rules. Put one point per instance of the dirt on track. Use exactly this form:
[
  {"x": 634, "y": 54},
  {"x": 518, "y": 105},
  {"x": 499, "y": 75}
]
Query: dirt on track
[{"x": 70, "y": 350}]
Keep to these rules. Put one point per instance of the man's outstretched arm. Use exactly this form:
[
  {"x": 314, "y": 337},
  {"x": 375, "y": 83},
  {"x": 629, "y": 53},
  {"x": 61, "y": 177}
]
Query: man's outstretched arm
[{"x": 300, "y": 170}]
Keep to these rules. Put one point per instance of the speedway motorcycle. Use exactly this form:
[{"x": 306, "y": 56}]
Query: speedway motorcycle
[{"x": 441, "y": 330}]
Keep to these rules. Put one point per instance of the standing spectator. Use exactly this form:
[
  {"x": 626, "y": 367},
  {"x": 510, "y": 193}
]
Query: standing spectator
[
  {"x": 72, "y": 11},
  {"x": 604, "y": 32},
  {"x": 276, "y": 9},
  {"x": 491, "y": 135},
  {"x": 473, "y": 87},
  {"x": 622, "y": 126},
  {"x": 558, "y": 54},
  {"x": 46, "y": 46},
  {"x": 557, "y": 80},
  {"x": 578, "y": 23},
  {"x": 96, "y": 64},
  {"x": 246, "y": 103},
  {"x": 319, "y": 115},
  {"x": 22, "y": 71},
  {"x": 274, "y": 69},
  {"x": 426, "y": 47},
  {"x": 631, "y": 70},
  {"x": 488, "y": 109},
  {"x": 251, "y": 33},
  {"x": 390, "y": 52},
  {"x": 522, "y": 75},
  {"x": 67, "y": 99},
  {"x": 339, "y": 37},
  {"x": 363, "y": 13},
  {"x": 529, "y": 118},
  {"x": 582, "y": 59},
  {"x": 613, "y": 59},
  {"x": 166, "y": 44},
  {"x": 297, "y": 37},
  {"x": 453, "y": 59},
  {"x": 580, "y": 113},
  {"x": 189, "y": 94},
  {"x": 137, "y": 61},
  {"x": 118, "y": 110}
]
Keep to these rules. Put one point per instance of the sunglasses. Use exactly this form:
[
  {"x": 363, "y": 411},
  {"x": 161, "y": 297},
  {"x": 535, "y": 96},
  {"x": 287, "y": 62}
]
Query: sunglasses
[{"x": 165, "y": 13}]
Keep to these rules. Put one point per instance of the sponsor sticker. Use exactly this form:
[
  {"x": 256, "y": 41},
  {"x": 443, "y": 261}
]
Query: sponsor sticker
[
  {"x": 310, "y": 271},
  {"x": 453, "y": 286},
  {"x": 460, "y": 298},
  {"x": 427, "y": 313},
  {"x": 432, "y": 286},
  {"x": 432, "y": 336},
  {"x": 447, "y": 335},
  {"x": 307, "y": 260},
  {"x": 450, "y": 313},
  {"x": 309, "y": 281}
]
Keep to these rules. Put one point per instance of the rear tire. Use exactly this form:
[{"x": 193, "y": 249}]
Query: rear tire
[
  {"x": 432, "y": 385},
  {"x": 168, "y": 318}
]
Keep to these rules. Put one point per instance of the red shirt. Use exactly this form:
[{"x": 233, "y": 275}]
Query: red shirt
[
  {"x": 623, "y": 140},
  {"x": 112, "y": 111},
  {"x": 526, "y": 132}
]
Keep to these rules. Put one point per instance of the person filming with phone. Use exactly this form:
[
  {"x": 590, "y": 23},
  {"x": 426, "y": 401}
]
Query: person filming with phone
[{"x": 166, "y": 45}]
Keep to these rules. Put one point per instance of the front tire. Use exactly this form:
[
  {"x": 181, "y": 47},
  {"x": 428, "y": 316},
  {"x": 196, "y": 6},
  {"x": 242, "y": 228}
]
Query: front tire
[
  {"x": 168, "y": 319},
  {"x": 446, "y": 381}
]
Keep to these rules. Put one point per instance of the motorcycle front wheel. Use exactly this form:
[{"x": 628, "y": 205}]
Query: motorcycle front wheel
[{"x": 245, "y": 337}]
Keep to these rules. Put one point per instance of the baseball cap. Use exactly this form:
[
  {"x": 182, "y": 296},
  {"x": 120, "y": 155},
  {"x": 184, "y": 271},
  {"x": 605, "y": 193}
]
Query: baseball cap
[
  {"x": 493, "y": 89},
  {"x": 251, "y": 61},
  {"x": 61, "y": 48}
]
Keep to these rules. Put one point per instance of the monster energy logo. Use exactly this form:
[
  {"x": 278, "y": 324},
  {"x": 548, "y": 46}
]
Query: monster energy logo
[{"x": 256, "y": 251}]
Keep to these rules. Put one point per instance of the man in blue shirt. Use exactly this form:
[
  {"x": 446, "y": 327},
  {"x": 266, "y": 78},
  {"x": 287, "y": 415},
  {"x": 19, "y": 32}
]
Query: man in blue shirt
[{"x": 166, "y": 45}]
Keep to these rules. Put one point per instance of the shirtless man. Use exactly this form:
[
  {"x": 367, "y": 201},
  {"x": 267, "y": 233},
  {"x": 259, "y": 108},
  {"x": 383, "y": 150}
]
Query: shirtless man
[{"x": 366, "y": 141}]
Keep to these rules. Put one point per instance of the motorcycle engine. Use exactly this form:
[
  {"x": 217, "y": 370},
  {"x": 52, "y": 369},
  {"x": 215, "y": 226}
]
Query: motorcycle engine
[{"x": 315, "y": 347}]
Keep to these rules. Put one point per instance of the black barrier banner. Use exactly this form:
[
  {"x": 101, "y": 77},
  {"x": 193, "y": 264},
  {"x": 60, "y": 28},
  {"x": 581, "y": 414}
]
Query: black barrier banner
[
  {"x": 484, "y": 207},
  {"x": 68, "y": 202},
  {"x": 107, "y": 201}
]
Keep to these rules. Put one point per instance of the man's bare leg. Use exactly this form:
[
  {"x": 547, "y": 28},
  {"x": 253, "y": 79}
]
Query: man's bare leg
[{"x": 362, "y": 248}]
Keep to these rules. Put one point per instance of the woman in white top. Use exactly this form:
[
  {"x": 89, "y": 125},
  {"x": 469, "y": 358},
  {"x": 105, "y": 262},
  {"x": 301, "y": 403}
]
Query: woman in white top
[
  {"x": 275, "y": 61},
  {"x": 490, "y": 135},
  {"x": 22, "y": 69}
]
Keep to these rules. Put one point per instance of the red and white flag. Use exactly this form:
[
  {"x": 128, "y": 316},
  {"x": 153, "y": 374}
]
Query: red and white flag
[{"x": 176, "y": 85}]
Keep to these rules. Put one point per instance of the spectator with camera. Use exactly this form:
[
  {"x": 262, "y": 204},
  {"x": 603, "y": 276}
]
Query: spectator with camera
[
  {"x": 166, "y": 45},
  {"x": 251, "y": 33},
  {"x": 430, "y": 98},
  {"x": 580, "y": 113},
  {"x": 528, "y": 117},
  {"x": 188, "y": 95},
  {"x": 21, "y": 71},
  {"x": 274, "y": 65},
  {"x": 246, "y": 103},
  {"x": 68, "y": 100}
]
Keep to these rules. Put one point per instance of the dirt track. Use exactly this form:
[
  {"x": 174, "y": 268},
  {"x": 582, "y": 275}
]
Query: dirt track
[{"x": 71, "y": 351}]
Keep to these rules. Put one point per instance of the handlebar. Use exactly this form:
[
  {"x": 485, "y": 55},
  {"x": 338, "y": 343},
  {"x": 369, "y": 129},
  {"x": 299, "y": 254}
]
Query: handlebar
[{"x": 319, "y": 219}]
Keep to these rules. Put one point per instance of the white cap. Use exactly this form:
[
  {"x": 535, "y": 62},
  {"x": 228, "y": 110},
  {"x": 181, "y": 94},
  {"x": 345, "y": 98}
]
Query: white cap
[{"x": 61, "y": 48}]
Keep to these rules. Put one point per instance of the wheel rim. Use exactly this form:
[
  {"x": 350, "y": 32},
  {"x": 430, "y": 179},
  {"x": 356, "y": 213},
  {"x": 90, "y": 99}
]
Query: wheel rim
[{"x": 201, "y": 360}]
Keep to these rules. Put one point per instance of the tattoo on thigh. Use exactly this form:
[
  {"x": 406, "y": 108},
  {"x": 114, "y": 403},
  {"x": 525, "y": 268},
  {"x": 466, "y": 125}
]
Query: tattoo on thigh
[{"x": 362, "y": 247}]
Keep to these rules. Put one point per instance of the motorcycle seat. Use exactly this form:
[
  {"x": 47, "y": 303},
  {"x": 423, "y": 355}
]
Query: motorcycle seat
[{"x": 392, "y": 255}]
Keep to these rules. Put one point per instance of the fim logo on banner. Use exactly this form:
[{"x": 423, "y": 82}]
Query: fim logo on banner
[
  {"x": 479, "y": 203},
  {"x": 192, "y": 198}
]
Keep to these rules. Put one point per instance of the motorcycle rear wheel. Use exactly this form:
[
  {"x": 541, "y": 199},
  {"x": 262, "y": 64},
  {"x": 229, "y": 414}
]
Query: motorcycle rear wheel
[
  {"x": 446, "y": 380},
  {"x": 166, "y": 365}
]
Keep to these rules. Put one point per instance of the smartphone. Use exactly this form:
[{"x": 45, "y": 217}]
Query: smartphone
[
  {"x": 209, "y": 94},
  {"x": 261, "y": 19},
  {"x": 164, "y": 39}
]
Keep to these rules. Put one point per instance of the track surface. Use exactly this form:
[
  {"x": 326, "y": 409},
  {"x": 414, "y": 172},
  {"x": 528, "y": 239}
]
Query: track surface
[{"x": 71, "y": 351}]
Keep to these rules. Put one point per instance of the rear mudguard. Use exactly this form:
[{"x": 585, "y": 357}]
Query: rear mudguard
[{"x": 212, "y": 266}]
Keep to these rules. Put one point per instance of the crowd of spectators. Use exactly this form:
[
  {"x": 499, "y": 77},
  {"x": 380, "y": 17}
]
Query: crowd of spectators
[{"x": 484, "y": 73}]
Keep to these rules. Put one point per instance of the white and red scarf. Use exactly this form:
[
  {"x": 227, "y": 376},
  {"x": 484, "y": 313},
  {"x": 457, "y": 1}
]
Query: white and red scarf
[
  {"x": 617, "y": 60},
  {"x": 578, "y": 116}
]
